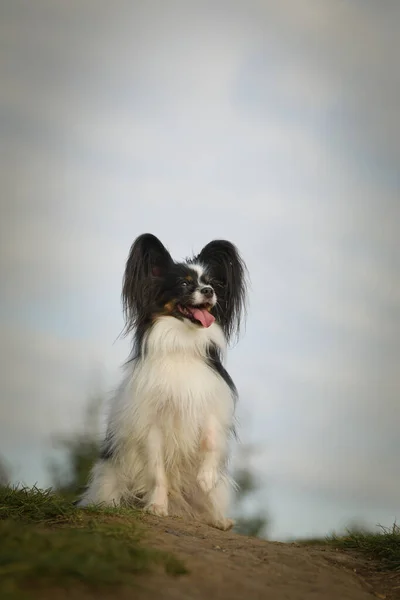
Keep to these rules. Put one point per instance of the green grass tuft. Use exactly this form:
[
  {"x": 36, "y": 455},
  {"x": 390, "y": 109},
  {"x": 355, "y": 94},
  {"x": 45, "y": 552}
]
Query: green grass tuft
[
  {"x": 383, "y": 546},
  {"x": 32, "y": 505},
  {"x": 46, "y": 541}
]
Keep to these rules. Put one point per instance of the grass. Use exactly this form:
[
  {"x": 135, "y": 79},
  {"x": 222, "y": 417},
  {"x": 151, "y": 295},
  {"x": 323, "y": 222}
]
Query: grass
[
  {"x": 382, "y": 546},
  {"x": 47, "y": 542}
]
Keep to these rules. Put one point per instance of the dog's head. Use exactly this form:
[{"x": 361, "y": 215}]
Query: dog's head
[{"x": 206, "y": 288}]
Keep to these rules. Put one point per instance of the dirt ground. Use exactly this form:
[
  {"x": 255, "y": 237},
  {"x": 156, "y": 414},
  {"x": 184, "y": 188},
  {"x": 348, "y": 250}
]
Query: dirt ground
[
  {"x": 227, "y": 566},
  {"x": 224, "y": 565}
]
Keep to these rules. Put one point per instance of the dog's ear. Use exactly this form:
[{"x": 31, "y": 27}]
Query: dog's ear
[
  {"x": 148, "y": 260},
  {"x": 229, "y": 275}
]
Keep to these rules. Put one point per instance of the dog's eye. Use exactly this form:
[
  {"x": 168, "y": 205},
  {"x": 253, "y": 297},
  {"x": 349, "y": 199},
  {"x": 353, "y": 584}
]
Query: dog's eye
[{"x": 184, "y": 284}]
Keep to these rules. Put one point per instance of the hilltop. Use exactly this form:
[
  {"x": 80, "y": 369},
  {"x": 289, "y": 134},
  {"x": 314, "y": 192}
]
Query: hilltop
[{"x": 49, "y": 549}]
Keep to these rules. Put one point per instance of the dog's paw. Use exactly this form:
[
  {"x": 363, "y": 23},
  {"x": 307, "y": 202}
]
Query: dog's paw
[
  {"x": 222, "y": 524},
  {"x": 207, "y": 479},
  {"x": 159, "y": 510}
]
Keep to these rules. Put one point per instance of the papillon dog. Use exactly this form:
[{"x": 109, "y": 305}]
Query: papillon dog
[{"x": 166, "y": 447}]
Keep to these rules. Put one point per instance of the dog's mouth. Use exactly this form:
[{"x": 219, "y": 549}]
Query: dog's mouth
[{"x": 198, "y": 314}]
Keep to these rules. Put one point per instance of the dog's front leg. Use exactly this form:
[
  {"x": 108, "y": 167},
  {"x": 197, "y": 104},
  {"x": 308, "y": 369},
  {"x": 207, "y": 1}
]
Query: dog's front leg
[
  {"x": 157, "y": 502},
  {"x": 212, "y": 448}
]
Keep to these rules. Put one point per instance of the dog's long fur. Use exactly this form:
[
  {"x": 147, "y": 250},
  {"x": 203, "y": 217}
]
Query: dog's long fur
[{"x": 166, "y": 447}]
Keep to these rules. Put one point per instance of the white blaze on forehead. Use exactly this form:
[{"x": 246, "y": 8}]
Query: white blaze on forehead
[
  {"x": 198, "y": 297},
  {"x": 199, "y": 270}
]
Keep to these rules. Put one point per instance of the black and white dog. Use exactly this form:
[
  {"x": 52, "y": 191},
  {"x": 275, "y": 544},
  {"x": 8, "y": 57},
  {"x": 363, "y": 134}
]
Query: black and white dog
[{"x": 166, "y": 446}]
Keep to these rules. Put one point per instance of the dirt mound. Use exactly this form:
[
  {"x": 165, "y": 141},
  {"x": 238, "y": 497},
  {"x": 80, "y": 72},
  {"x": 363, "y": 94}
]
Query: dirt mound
[
  {"x": 51, "y": 551},
  {"x": 230, "y": 566}
]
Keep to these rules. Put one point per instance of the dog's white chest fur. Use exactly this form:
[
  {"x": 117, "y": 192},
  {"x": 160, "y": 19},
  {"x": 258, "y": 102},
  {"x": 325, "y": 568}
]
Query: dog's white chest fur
[
  {"x": 174, "y": 387},
  {"x": 170, "y": 425}
]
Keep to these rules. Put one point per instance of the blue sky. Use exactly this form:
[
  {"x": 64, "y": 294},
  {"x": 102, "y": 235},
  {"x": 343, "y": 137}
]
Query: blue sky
[{"x": 274, "y": 125}]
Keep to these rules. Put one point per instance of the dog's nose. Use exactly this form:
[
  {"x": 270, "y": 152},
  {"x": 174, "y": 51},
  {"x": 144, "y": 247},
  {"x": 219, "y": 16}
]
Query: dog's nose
[{"x": 207, "y": 291}]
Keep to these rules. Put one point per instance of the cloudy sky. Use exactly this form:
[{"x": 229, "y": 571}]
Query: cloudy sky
[{"x": 273, "y": 124}]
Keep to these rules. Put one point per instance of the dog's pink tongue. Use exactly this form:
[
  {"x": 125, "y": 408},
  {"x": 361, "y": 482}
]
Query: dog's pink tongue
[{"x": 202, "y": 315}]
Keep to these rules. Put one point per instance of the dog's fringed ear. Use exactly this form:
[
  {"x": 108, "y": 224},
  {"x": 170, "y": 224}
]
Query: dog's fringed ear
[
  {"x": 229, "y": 275},
  {"x": 147, "y": 261}
]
